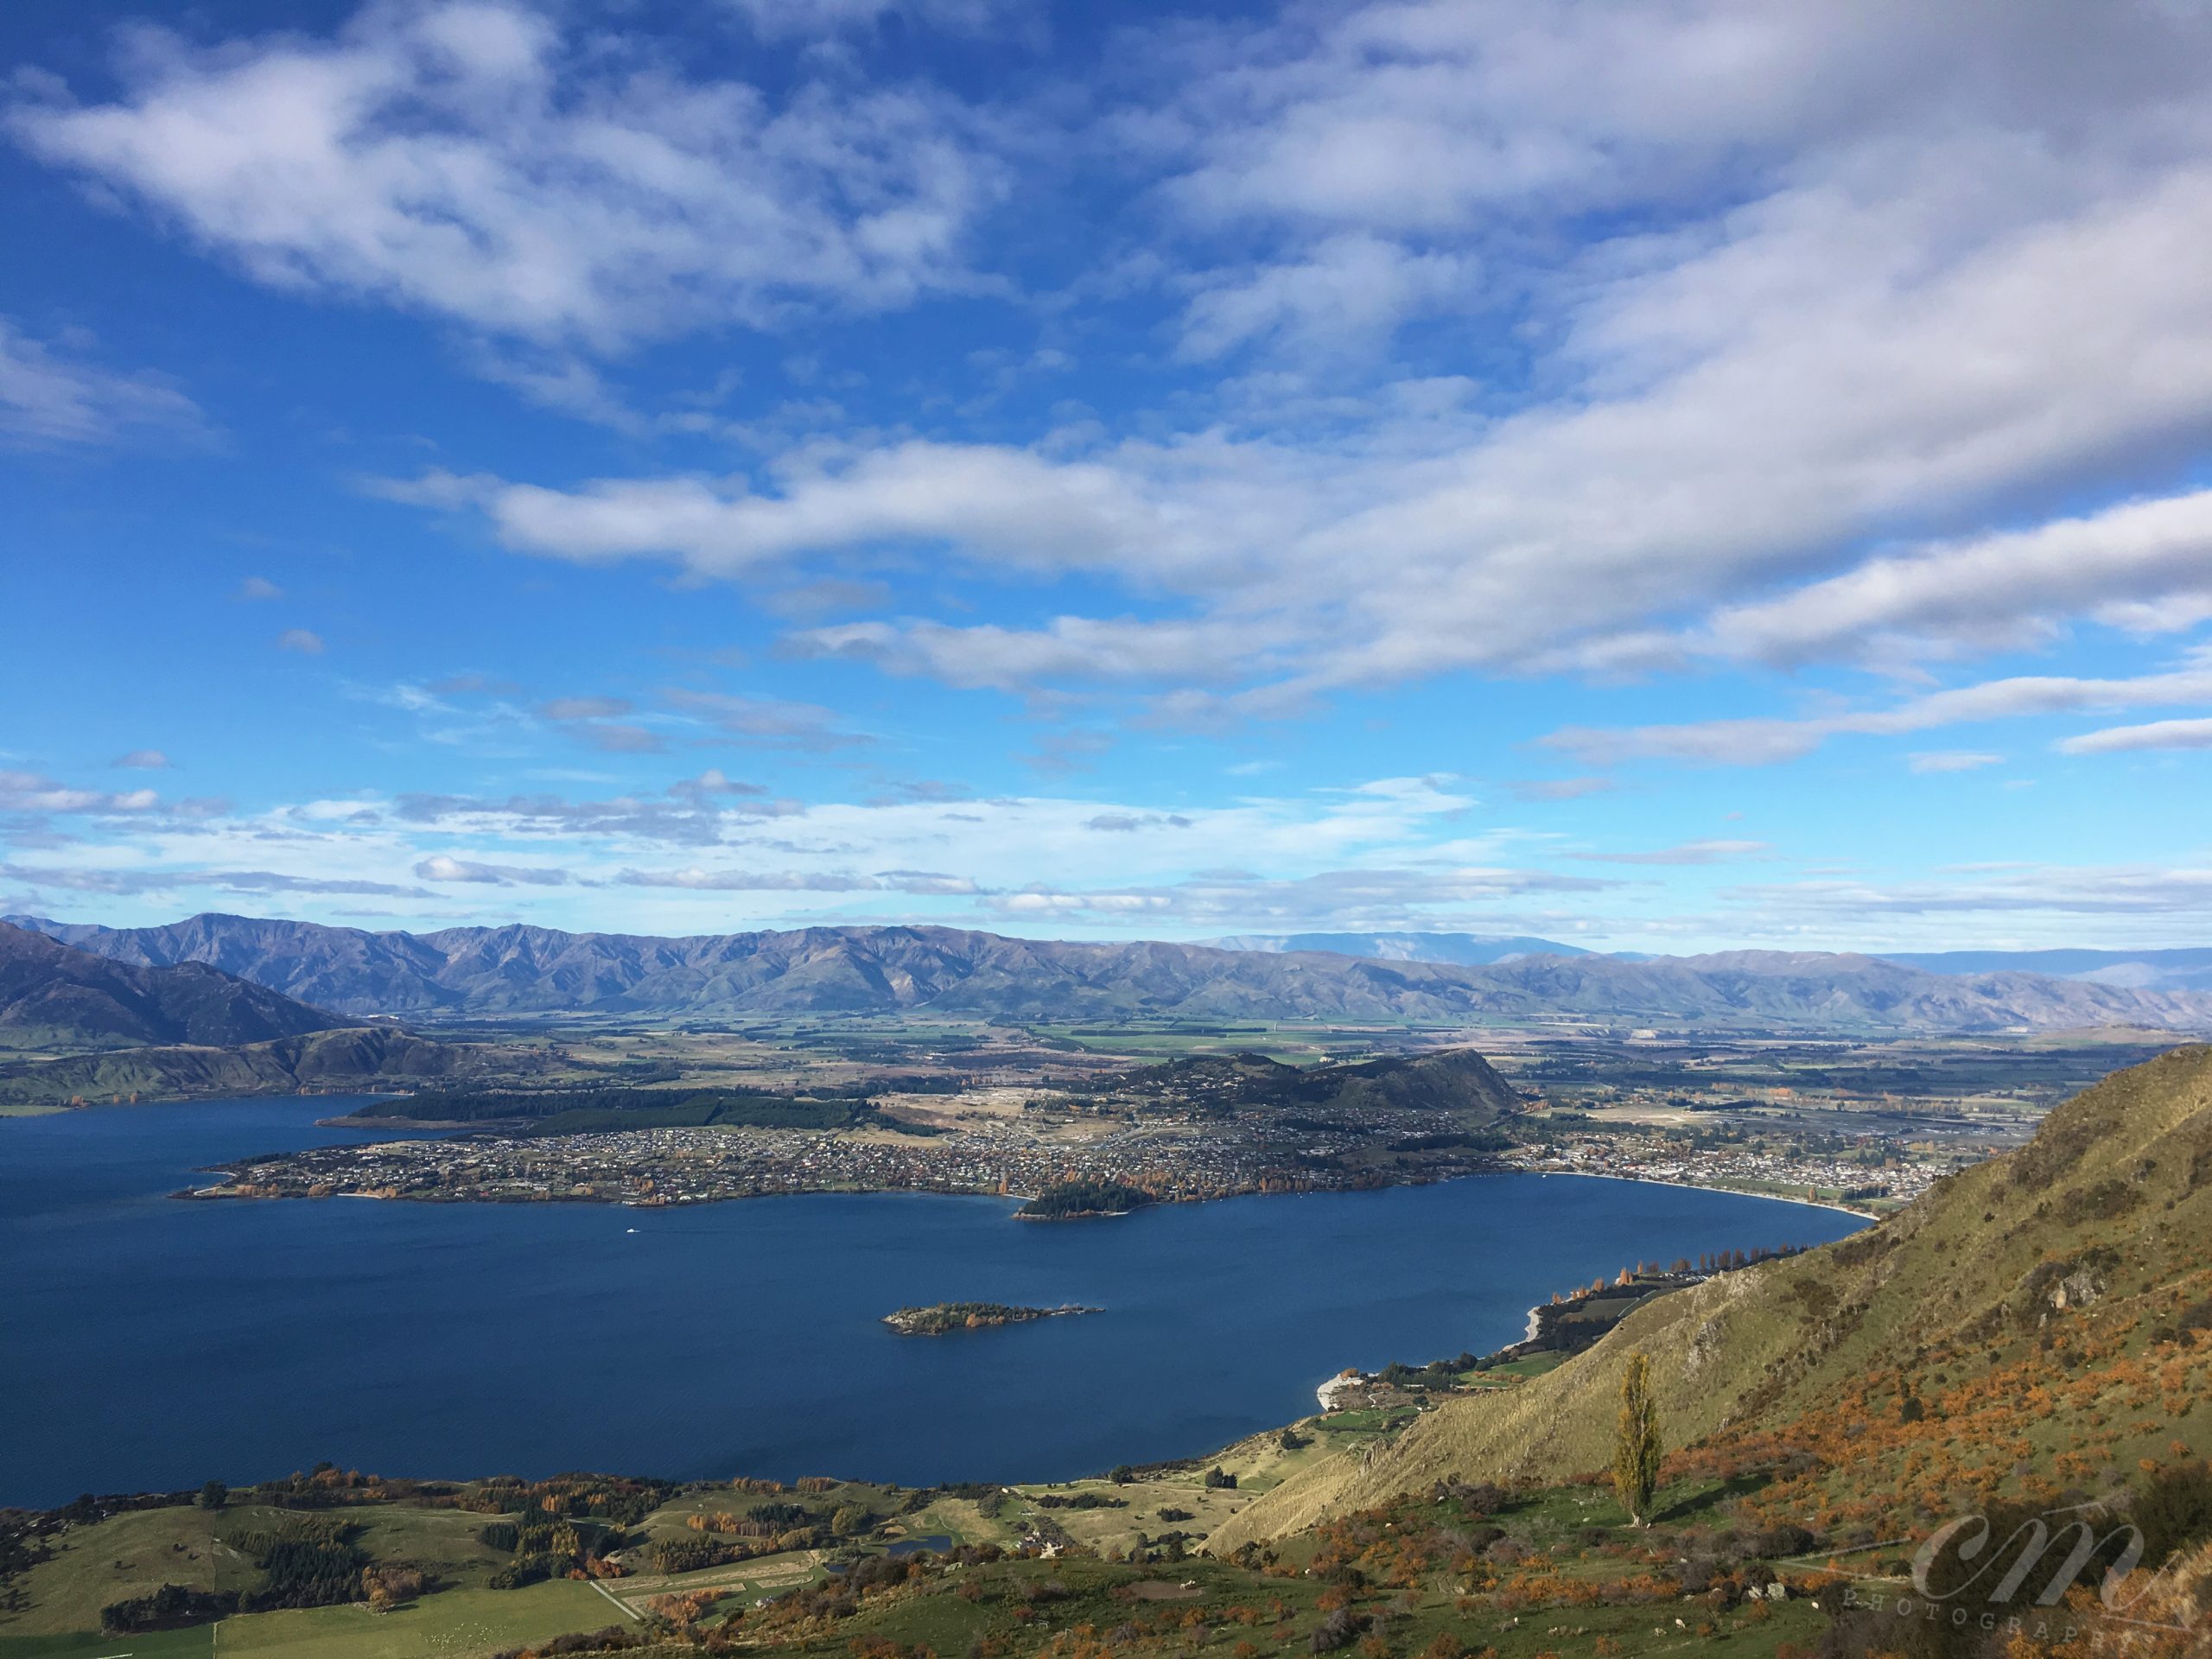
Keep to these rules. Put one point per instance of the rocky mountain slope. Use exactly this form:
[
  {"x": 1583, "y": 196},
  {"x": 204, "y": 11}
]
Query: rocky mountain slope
[
  {"x": 516, "y": 969},
  {"x": 53, "y": 995},
  {"x": 2028, "y": 1310}
]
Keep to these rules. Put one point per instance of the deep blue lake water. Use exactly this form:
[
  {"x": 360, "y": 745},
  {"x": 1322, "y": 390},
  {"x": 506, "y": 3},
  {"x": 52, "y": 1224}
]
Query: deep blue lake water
[{"x": 147, "y": 1343}]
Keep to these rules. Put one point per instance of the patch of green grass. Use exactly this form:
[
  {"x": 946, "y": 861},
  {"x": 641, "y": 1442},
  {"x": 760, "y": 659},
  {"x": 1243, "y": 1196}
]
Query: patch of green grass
[
  {"x": 1533, "y": 1365},
  {"x": 133, "y": 1554},
  {"x": 448, "y": 1626}
]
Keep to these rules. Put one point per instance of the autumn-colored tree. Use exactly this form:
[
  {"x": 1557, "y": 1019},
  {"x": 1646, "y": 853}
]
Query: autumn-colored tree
[{"x": 1635, "y": 1442}]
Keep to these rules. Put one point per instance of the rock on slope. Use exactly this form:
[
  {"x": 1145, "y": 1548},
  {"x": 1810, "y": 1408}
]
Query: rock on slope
[{"x": 2112, "y": 1201}]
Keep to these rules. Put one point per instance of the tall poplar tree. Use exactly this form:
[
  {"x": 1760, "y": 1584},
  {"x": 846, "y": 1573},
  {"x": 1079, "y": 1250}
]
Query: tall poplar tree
[{"x": 1635, "y": 1443}]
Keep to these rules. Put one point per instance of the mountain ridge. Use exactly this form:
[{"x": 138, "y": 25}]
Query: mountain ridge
[
  {"x": 519, "y": 968},
  {"x": 1466, "y": 950},
  {"x": 50, "y": 991},
  {"x": 2180, "y": 968},
  {"x": 2171, "y": 969}
]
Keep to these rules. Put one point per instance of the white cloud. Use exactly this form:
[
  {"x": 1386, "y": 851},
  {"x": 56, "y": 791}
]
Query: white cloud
[
  {"x": 697, "y": 879},
  {"x": 441, "y": 868},
  {"x": 1765, "y": 740},
  {"x": 1347, "y": 295},
  {"x": 584, "y": 707},
  {"x": 1000, "y": 506},
  {"x": 1943, "y": 761},
  {"x": 1067, "y": 648},
  {"x": 2157, "y": 735},
  {"x": 1560, "y": 789},
  {"x": 1884, "y": 269},
  {"x": 51, "y": 397},
  {"x": 167, "y": 882},
  {"x": 1393, "y": 848},
  {"x": 617, "y": 736},
  {"x": 1432, "y": 117},
  {"x": 143, "y": 760},
  {"x": 259, "y": 588},
  {"x": 768, "y": 722},
  {"x": 1690, "y": 852},
  {"x": 1834, "y": 361},
  {"x": 28, "y": 791},
  {"x": 462, "y": 159},
  {"x": 2120, "y": 890},
  {"x": 779, "y": 20},
  {"x": 1377, "y": 896},
  {"x": 2121, "y": 565},
  {"x": 305, "y": 641}
]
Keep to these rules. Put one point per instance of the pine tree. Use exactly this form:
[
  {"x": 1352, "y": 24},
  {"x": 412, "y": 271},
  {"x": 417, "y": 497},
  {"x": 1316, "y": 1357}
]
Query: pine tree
[{"x": 1635, "y": 1444}]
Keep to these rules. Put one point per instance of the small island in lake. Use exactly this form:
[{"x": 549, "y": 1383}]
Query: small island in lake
[{"x": 946, "y": 1317}]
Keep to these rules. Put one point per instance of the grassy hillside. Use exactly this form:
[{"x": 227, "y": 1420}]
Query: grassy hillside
[
  {"x": 1454, "y": 1079},
  {"x": 322, "y": 1061},
  {"x": 2048, "y": 1273}
]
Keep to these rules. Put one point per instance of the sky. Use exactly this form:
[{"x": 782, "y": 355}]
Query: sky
[{"x": 1665, "y": 474}]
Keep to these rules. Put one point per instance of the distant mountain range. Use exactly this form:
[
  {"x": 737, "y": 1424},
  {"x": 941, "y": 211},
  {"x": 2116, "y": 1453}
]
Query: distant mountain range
[
  {"x": 491, "y": 971},
  {"x": 2189, "y": 969},
  {"x": 2134, "y": 970}
]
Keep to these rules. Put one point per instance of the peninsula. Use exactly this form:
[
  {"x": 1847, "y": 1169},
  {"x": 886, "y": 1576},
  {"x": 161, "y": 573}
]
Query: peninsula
[{"x": 944, "y": 1318}]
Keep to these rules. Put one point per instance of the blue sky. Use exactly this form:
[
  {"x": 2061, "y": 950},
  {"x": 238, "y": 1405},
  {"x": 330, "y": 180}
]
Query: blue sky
[{"x": 1670, "y": 476}]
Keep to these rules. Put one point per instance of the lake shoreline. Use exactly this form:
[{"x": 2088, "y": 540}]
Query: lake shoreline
[
  {"x": 238, "y": 1300},
  {"x": 1701, "y": 1186},
  {"x": 231, "y": 1190}
]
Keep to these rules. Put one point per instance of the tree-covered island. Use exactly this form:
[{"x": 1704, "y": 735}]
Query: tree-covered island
[{"x": 946, "y": 1317}]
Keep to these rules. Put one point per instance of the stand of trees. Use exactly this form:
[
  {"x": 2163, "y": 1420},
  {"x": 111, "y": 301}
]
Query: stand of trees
[
  {"x": 310, "y": 1561},
  {"x": 579, "y": 1110},
  {"x": 168, "y": 1608},
  {"x": 1064, "y": 1199}
]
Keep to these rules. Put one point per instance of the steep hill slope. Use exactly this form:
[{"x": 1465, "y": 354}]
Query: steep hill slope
[
  {"x": 2003, "y": 1284},
  {"x": 518, "y": 969},
  {"x": 322, "y": 1062},
  {"x": 52, "y": 994}
]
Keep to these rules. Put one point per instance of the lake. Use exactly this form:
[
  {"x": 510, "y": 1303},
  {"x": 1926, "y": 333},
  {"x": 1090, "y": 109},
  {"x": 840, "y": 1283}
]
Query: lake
[{"x": 149, "y": 1344}]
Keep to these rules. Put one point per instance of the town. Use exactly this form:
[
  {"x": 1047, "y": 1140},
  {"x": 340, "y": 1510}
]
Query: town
[
  {"x": 1174, "y": 1133},
  {"x": 1172, "y": 1161}
]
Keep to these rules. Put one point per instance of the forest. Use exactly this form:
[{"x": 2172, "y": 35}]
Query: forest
[{"x": 585, "y": 1110}]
